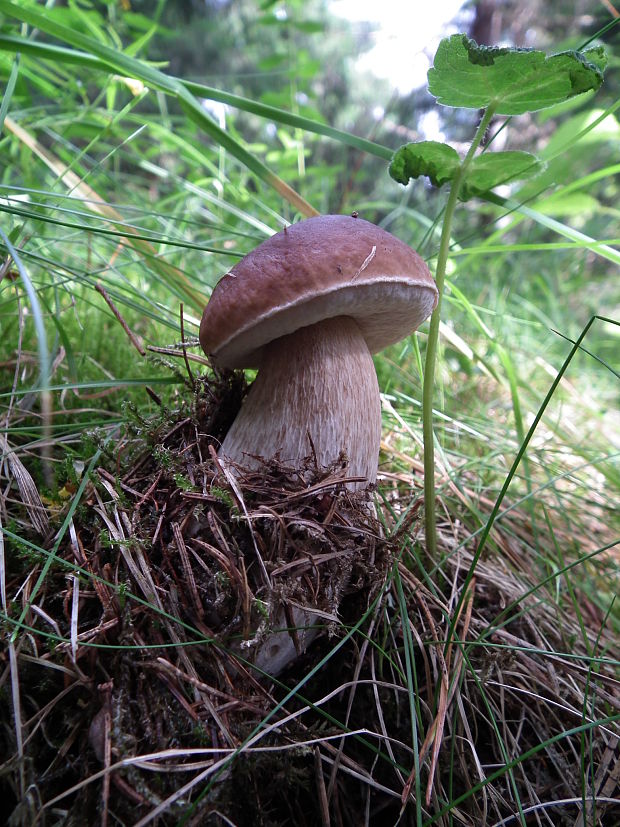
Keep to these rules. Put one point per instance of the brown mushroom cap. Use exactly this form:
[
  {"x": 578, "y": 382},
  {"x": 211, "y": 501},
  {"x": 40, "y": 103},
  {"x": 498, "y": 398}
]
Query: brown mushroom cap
[{"x": 331, "y": 265}]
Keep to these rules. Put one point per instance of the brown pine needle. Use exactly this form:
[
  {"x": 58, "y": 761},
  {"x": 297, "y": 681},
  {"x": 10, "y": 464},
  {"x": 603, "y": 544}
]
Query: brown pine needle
[{"x": 135, "y": 340}]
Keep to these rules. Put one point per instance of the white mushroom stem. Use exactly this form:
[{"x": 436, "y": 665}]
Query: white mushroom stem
[{"x": 316, "y": 389}]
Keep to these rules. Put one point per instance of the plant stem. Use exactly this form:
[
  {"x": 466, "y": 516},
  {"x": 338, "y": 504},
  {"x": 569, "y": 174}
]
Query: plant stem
[{"x": 433, "y": 340}]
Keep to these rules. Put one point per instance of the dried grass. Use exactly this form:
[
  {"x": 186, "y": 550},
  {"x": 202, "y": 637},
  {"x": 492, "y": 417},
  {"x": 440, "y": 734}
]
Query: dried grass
[{"x": 132, "y": 698}]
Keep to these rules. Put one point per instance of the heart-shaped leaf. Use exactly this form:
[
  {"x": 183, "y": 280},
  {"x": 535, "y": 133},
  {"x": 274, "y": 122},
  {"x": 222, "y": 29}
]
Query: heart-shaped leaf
[{"x": 513, "y": 80}]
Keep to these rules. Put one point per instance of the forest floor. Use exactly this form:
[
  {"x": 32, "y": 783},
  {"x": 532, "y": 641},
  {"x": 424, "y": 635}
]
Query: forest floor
[{"x": 144, "y": 608}]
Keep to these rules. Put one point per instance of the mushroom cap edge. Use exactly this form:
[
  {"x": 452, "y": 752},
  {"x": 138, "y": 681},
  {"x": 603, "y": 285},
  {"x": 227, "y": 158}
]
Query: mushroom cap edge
[{"x": 322, "y": 267}]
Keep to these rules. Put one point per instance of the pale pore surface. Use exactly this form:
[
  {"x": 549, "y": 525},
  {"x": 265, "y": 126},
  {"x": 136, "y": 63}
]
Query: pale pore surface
[{"x": 319, "y": 381}]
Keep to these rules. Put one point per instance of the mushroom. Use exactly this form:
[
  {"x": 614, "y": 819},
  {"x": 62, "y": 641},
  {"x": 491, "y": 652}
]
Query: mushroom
[{"x": 307, "y": 308}]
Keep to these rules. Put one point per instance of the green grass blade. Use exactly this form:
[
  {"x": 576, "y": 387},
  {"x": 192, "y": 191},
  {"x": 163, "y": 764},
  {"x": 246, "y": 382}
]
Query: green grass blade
[
  {"x": 123, "y": 64},
  {"x": 61, "y": 54},
  {"x": 484, "y": 535},
  {"x": 8, "y": 93},
  {"x": 585, "y": 241},
  {"x": 35, "y": 307}
]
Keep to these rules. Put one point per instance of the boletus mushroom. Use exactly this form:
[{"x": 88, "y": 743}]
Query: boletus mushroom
[{"x": 307, "y": 308}]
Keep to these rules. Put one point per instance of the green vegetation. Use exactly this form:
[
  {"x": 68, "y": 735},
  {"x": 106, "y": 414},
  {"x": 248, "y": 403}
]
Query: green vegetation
[
  {"x": 473, "y": 678},
  {"x": 505, "y": 82}
]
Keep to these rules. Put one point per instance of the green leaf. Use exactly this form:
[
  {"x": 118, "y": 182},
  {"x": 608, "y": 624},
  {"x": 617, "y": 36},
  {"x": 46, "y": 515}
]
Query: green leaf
[
  {"x": 511, "y": 80},
  {"x": 596, "y": 55},
  {"x": 439, "y": 162},
  {"x": 494, "y": 168}
]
